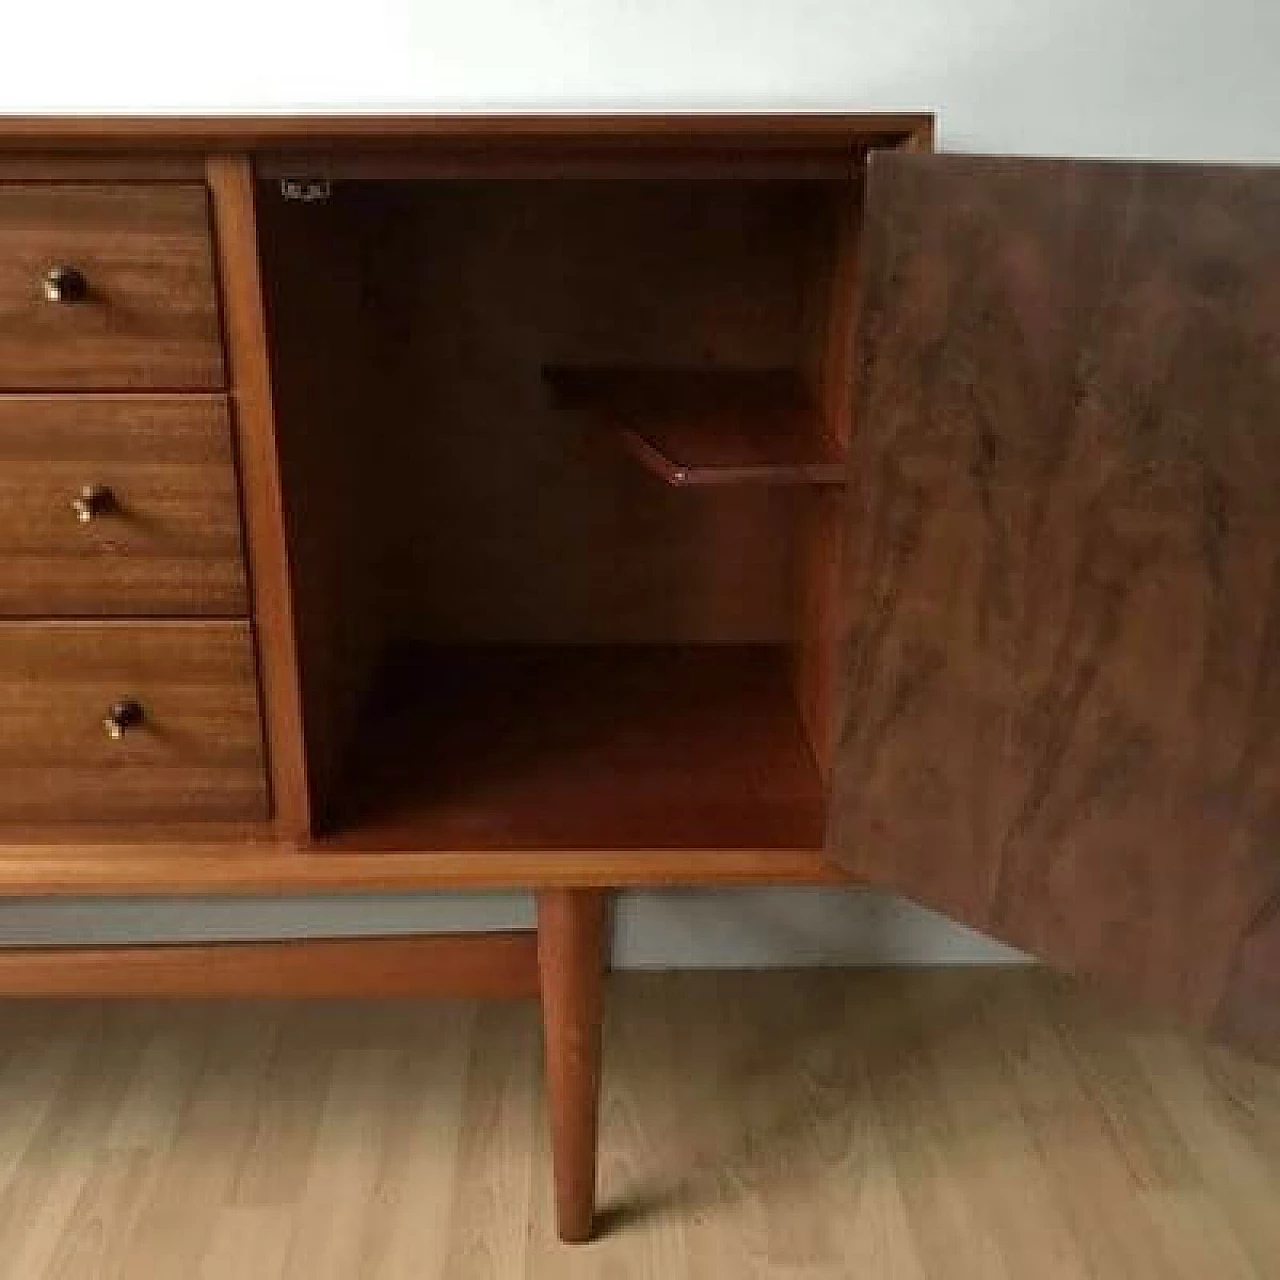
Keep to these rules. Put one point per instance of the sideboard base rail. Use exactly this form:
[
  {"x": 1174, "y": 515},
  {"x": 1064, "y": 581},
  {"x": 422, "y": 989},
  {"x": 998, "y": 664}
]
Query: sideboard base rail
[{"x": 561, "y": 964}]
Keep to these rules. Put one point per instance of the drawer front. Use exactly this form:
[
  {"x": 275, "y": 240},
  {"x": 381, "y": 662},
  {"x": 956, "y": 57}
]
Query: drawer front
[
  {"x": 186, "y": 743},
  {"x": 112, "y": 506},
  {"x": 131, "y": 303}
]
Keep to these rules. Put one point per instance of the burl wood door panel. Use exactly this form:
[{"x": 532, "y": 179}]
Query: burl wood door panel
[
  {"x": 133, "y": 306},
  {"x": 190, "y": 746},
  {"x": 1061, "y": 719},
  {"x": 117, "y": 506}
]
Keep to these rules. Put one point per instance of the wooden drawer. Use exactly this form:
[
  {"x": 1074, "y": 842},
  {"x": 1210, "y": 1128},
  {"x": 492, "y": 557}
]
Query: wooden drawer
[
  {"x": 146, "y": 315},
  {"x": 196, "y": 753},
  {"x": 157, "y": 529}
]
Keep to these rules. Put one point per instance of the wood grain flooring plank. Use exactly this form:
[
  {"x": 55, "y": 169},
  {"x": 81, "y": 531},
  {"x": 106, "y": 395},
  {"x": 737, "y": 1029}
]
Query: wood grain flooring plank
[{"x": 911, "y": 1125}]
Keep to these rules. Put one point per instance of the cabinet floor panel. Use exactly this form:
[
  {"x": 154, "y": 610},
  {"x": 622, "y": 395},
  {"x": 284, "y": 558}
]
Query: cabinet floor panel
[{"x": 570, "y": 748}]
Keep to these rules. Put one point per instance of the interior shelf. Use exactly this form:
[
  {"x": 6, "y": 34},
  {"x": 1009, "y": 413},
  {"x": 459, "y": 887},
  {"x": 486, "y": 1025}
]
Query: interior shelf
[
  {"x": 484, "y": 748},
  {"x": 708, "y": 427}
]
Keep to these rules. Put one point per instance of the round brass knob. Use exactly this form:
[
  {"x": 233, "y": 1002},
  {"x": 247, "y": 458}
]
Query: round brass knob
[
  {"x": 93, "y": 500},
  {"x": 121, "y": 717},
  {"x": 65, "y": 284}
]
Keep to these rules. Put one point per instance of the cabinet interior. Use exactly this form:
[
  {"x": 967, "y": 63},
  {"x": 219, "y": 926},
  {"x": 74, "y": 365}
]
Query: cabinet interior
[{"x": 562, "y": 462}]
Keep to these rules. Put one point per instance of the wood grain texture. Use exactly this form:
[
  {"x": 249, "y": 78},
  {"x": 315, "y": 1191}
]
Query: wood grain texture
[
  {"x": 819, "y": 593},
  {"x": 822, "y": 160},
  {"x": 961, "y": 1125},
  {"x": 434, "y": 492},
  {"x": 522, "y": 522},
  {"x": 341, "y": 448},
  {"x": 197, "y": 753},
  {"x": 149, "y": 319},
  {"x": 100, "y": 165},
  {"x": 1061, "y": 708},
  {"x": 371, "y": 130},
  {"x": 235, "y": 225},
  {"x": 150, "y": 860},
  {"x": 557, "y": 747},
  {"x": 454, "y": 966},
  {"x": 571, "y": 963},
  {"x": 707, "y": 427},
  {"x": 168, "y": 540}
]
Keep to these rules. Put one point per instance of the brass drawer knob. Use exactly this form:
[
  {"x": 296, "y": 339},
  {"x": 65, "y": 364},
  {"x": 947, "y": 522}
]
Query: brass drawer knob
[
  {"x": 65, "y": 284},
  {"x": 122, "y": 716},
  {"x": 93, "y": 500}
]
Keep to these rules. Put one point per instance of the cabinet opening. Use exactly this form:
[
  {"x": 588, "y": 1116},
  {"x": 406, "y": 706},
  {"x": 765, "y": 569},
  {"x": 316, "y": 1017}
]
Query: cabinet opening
[{"x": 563, "y": 467}]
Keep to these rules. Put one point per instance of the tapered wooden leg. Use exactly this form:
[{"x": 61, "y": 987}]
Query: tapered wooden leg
[{"x": 571, "y": 925}]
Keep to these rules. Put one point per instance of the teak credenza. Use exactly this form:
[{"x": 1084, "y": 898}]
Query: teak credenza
[{"x": 575, "y": 503}]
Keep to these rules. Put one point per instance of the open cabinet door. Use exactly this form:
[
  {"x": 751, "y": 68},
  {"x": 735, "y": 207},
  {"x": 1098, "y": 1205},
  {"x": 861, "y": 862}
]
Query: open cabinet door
[{"x": 1061, "y": 714}]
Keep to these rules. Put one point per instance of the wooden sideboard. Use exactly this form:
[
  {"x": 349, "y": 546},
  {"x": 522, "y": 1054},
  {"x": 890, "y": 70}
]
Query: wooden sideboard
[{"x": 580, "y": 503}]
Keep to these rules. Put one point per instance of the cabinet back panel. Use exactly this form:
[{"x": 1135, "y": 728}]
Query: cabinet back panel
[{"x": 518, "y": 522}]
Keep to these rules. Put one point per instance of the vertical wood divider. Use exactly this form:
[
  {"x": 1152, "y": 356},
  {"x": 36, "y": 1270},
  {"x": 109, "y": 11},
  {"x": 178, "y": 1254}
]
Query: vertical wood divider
[
  {"x": 820, "y": 545},
  {"x": 230, "y": 180}
]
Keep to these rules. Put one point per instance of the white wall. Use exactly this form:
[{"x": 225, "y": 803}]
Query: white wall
[{"x": 1172, "y": 79}]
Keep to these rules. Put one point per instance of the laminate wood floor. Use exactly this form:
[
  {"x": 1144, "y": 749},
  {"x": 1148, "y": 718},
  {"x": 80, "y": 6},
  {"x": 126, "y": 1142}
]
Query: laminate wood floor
[{"x": 952, "y": 1124}]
